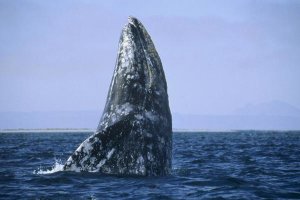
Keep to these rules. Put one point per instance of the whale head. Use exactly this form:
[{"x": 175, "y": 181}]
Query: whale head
[{"x": 138, "y": 80}]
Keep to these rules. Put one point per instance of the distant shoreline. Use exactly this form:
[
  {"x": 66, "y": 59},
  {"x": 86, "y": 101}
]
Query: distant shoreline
[
  {"x": 87, "y": 130},
  {"x": 47, "y": 130}
]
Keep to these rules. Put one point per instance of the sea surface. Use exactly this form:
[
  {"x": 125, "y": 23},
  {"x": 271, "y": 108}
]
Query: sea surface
[{"x": 206, "y": 165}]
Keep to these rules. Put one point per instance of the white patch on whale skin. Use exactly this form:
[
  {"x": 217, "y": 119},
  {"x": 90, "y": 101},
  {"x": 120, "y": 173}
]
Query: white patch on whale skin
[
  {"x": 92, "y": 160},
  {"x": 113, "y": 118},
  {"x": 84, "y": 150},
  {"x": 110, "y": 153},
  {"x": 162, "y": 140},
  {"x": 87, "y": 147},
  {"x": 150, "y": 156},
  {"x": 150, "y": 115},
  {"x": 114, "y": 113},
  {"x": 140, "y": 166},
  {"x": 138, "y": 117},
  {"x": 101, "y": 163},
  {"x": 149, "y": 135},
  {"x": 123, "y": 109}
]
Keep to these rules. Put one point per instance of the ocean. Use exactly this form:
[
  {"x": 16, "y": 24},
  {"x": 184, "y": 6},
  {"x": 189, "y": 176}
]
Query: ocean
[{"x": 206, "y": 165}]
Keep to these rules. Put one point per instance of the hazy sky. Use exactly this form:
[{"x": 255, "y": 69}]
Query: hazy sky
[{"x": 217, "y": 55}]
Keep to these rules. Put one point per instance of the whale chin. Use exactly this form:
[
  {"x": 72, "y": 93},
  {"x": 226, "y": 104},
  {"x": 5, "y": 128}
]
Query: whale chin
[{"x": 134, "y": 136}]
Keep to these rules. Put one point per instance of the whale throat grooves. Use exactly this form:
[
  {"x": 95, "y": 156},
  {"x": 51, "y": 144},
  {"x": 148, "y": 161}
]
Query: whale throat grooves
[{"x": 134, "y": 135}]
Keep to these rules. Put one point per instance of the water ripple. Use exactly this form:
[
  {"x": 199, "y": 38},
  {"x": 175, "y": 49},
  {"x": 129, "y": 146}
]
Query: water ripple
[{"x": 215, "y": 165}]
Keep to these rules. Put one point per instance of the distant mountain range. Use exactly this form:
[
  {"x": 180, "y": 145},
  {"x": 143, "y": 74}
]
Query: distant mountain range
[
  {"x": 273, "y": 115},
  {"x": 235, "y": 122},
  {"x": 272, "y": 108}
]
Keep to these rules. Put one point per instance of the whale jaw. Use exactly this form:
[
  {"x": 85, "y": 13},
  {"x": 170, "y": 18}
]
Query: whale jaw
[{"x": 134, "y": 136}]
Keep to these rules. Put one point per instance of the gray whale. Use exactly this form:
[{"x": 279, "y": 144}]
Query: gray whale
[{"x": 134, "y": 136}]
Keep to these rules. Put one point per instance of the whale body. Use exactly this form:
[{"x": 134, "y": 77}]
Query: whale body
[{"x": 134, "y": 136}]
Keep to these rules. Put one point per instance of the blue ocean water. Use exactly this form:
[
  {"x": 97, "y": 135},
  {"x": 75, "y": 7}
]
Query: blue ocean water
[{"x": 206, "y": 165}]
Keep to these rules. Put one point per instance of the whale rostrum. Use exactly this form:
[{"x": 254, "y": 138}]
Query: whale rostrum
[{"x": 134, "y": 136}]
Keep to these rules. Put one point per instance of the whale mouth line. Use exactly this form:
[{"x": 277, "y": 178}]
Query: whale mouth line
[{"x": 139, "y": 30}]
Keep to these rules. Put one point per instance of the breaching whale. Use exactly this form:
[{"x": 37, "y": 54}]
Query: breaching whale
[{"x": 134, "y": 136}]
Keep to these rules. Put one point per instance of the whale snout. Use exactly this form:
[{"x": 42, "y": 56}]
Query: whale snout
[{"x": 132, "y": 20}]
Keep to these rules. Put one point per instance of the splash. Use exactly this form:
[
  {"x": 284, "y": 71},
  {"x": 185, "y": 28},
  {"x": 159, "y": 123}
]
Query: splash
[{"x": 58, "y": 166}]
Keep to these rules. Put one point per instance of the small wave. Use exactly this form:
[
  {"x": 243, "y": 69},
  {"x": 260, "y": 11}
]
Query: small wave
[{"x": 58, "y": 166}]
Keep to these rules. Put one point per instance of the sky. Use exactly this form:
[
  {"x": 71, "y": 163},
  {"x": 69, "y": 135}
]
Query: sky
[{"x": 218, "y": 56}]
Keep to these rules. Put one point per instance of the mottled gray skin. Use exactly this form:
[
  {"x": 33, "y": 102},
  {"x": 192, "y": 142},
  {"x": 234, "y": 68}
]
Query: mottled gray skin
[{"x": 134, "y": 136}]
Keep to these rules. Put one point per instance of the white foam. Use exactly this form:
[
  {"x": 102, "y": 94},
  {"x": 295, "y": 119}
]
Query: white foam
[{"x": 58, "y": 166}]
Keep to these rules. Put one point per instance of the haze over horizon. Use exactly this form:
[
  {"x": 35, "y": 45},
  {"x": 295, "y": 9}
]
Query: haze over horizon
[{"x": 220, "y": 58}]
